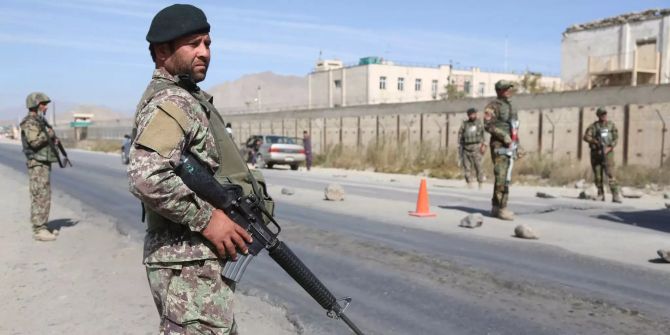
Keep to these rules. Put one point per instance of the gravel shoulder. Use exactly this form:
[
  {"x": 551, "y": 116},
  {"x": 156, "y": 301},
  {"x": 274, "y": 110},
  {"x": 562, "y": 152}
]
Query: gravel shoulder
[{"x": 89, "y": 281}]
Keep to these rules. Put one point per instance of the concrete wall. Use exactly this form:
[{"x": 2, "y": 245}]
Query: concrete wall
[
  {"x": 614, "y": 44},
  {"x": 356, "y": 86},
  {"x": 551, "y": 123}
]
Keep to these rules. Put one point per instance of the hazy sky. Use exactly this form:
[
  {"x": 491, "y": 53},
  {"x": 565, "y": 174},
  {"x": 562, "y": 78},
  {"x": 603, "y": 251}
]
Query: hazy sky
[{"x": 94, "y": 51}]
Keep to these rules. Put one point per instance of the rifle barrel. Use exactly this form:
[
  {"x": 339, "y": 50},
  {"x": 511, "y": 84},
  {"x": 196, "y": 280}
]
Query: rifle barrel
[{"x": 350, "y": 324}]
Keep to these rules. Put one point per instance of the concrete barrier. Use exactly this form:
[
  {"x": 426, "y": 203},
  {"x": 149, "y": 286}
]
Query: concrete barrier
[{"x": 551, "y": 123}]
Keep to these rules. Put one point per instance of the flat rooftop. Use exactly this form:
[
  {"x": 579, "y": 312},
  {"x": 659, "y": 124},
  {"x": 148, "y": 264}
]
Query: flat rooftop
[{"x": 619, "y": 20}]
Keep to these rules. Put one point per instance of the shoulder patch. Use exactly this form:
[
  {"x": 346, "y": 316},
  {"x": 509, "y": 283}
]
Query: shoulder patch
[
  {"x": 165, "y": 129},
  {"x": 176, "y": 113}
]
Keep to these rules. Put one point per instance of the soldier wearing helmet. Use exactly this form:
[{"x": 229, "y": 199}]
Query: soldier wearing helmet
[
  {"x": 188, "y": 241},
  {"x": 36, "y": 136},
  {"x": 498, "y": 115},
  {"x": 472, "y": 147},
  {"x": 602, "y": 137}
]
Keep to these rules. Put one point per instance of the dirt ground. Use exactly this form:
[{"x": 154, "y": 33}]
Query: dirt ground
[{"x": 89, "y": 281}]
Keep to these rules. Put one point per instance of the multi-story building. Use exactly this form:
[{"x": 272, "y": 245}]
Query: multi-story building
[
  {"x": 628, "y": 49},
  {"x": 376, "y": 81}
]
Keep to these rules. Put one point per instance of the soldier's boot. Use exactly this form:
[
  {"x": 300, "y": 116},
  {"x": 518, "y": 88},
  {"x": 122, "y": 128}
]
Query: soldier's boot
[
  {"x": 480, "y": 186},
  {"x": 494, "y": 211},
  {"x": 616, "y": 197},
  {"x": 601, "y": 194},
  {"x": 471, "y": 185},
  {"x": 43, "y": 235},
  {"x": 505, "y": 214}
]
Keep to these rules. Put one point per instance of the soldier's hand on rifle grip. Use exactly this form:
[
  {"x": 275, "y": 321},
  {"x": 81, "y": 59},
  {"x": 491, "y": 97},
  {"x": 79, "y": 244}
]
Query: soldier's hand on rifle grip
[
  {"x": 482, "y": 148},
  {"x": 507, "y": 141},
  {"x": 226, "y": 235},
  {"x": 609, "y": 149},
  {"x": 50, "y": 132}
]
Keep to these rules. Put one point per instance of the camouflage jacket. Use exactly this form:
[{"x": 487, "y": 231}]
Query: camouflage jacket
[
  {"x": 608, "y": 132},
  {"x": 497, "y": 115},
  {"x": 171, "y": 121},
  {"x": 35, "y": 140},
  {"x": 471, "y": 132}
]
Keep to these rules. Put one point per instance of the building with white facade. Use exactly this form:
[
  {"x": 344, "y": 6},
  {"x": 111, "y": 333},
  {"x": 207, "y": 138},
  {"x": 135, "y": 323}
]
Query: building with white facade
[
  {"x": 376, "y": 81},
  {"x": 629, "y": 49}
]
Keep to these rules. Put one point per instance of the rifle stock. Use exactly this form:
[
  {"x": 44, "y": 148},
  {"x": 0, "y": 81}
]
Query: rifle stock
[{"x": 248, "y": 212}]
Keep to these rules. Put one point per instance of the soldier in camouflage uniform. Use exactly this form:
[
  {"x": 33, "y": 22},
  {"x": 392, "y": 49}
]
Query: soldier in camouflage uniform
[
  {"x": 471, "y": 140},
  {"x": 187, "y": 241},
  {"x": 600, "y": 135},
  {"x": 36, "y": 137},
  {"x": 497, "y": 116}
]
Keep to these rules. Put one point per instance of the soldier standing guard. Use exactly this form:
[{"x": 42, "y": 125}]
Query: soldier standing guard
[
  {"x": 471, "y": 140},
  {"x": 498, "y": 118},
  {"x": 602, "y": 137},
  {"x": 188, "y": 240},
  {"x": 37, "y": 137}
]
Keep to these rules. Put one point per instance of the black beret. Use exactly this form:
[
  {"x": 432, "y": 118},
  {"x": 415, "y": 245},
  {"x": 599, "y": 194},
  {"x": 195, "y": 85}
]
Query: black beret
[{"x": 176, "y": 21}]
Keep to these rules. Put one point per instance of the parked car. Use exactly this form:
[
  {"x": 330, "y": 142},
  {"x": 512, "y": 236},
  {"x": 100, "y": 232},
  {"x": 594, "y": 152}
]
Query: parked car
[
  {"x": 125, "y": 149},
  {"x": 269, "y": 150}
]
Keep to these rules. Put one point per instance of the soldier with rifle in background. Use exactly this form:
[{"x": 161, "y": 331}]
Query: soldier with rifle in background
[
  {"x": 602, "y": 137},
  {"x": 471, "y": 147},
  {"x": 501, "y": 121},
  {"x": 40, "y": 145},
  {"x": 206, "y": 212}
]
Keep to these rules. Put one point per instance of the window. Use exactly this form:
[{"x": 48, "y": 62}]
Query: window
[
  {"x": 417, "y": 85},
  {"x": 466, "y": 87},
  {"x": 482, "y": 86},
  {"x": 401, "y": 84},
  {"x": 382, "y": 83},
  {"x": 433, "y": 88},
  {"x": 279, "y": 140},
  {"x": 338, "y": 83}
]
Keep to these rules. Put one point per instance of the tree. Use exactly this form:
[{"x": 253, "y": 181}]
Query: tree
[
  {"x": 453, "y": 93},
  {"x": 530, "y": 82}
]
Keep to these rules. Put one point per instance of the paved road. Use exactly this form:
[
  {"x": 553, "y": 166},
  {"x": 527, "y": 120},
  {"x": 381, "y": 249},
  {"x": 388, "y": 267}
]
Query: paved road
[{"x": 411, "y": 281}]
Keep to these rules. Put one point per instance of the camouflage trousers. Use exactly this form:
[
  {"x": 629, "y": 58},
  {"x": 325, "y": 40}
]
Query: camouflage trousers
[
  {"x": 472, "y": 160},
  {"x": 192, "y": 298},
  {"x": 40, "y": 195},
  {"x": 599, "y": 171},
  {"x": 500, "y": 187}
]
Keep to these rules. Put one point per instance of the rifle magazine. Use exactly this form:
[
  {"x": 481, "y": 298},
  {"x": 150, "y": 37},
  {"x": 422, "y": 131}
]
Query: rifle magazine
[{"x": 234, "y": 270}]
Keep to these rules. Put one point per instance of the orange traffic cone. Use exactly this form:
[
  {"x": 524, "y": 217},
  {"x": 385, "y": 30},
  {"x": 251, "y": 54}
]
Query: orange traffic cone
[{"x": 422, "y": 203}]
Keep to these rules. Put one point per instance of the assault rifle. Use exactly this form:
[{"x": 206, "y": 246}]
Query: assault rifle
[
  {"x": 248, "y": 212},
  {"x": 511, "y": 152},
  {"x": 64, "y": 161},
  {"x": 602, "y": 143},
  {"x": 57, "y": 147}
]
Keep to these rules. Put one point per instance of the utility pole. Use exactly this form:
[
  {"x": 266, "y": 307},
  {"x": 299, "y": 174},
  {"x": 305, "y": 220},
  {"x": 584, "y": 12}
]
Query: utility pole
[
  {"x": 451, "y": 69},
  {"x": 258, "y": 97},
  {"x": 505, "y": 53}
]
